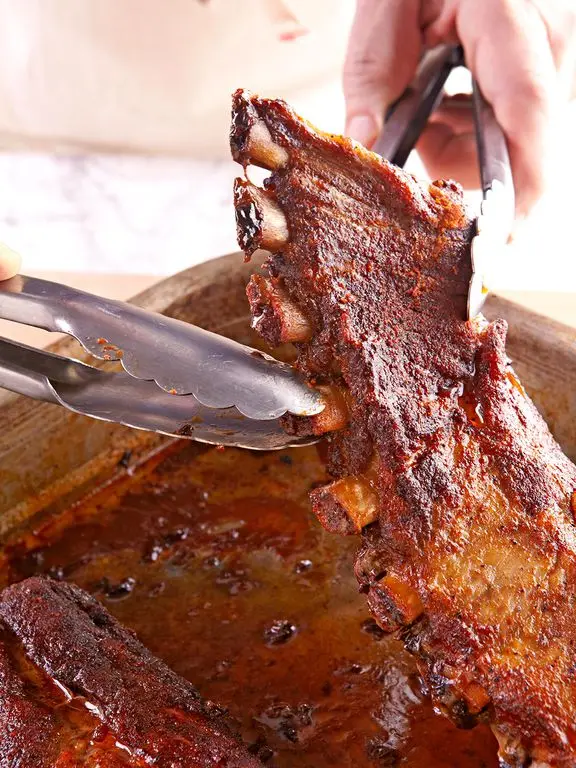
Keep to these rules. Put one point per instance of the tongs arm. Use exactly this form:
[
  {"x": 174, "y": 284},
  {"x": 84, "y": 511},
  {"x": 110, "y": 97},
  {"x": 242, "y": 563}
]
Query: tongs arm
[
  {"x": 496, "y": 218},
  {"x": 407, "y": 116},
  {"x": 120, "y": 398},
  {"x": 493, "y": 155},
  {"x": 405, "y": 121},
  {"x": 27, "y": 371},
  {"x": 180, "y": 358}
]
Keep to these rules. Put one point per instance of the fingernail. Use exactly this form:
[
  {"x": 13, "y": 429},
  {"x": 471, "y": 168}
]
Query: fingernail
[{"x": 363, "y": 128}]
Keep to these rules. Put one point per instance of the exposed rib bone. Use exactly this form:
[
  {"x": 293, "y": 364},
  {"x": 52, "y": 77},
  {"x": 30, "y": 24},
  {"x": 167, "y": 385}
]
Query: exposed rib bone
[
  {"x": 345, "y": 506},
  {"x": 262, "y": 150},
  {"x": 250, "y": 139},
  {"x": 335, "y": 415},
  {"x": 260, "y": 222},
  {"x": 275, "y": 315},
  {"x": 392, "y": 600},
  {"x": 476, "y": 697}
]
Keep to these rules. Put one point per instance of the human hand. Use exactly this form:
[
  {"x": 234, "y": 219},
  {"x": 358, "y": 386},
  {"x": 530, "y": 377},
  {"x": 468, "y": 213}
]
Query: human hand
[
  {"x": 9, "y": 262},
  {"x": 521, "y": 52}
]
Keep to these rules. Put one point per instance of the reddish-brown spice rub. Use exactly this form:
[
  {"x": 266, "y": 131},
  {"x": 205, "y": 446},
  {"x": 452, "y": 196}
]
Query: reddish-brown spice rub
[
  {"x": 29, "y": 730},
  {"x": 79, "y": 689},
  {"x": 459, "y": 490}
]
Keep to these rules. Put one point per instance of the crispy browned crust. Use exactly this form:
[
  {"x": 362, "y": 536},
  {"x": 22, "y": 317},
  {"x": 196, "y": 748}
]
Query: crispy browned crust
[
  {"x": 32, "y": 728},
  {"x": 471, "y": 552},
  {"x": 70, "y": 639}
]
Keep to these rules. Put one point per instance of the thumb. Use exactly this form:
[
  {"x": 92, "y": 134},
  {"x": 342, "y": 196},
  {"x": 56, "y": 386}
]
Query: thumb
[
  {"x": 9, "y": 262},
  {"x": 383, "y": 53}
]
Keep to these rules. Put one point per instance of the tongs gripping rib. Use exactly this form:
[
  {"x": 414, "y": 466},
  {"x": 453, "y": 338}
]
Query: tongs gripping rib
[
  {"x": 180, "y": 358},
  {"x": 408, "y": 115},
  {"x": 405, "y": 121},
  {"x": 120, "y": 398}
]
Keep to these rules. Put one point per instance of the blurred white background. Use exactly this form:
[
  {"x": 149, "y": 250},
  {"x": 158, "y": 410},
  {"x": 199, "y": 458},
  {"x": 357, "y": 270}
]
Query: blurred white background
[{"x": 113, "y": 131}]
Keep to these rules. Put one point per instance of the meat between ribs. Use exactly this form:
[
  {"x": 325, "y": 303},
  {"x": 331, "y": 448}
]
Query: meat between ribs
[
  {"x": 463, "y": 500},
  {"x": 76, "y": 688}
]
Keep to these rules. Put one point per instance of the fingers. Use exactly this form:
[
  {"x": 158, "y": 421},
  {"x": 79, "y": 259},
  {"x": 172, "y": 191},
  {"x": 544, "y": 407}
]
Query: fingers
[
  {"x": 522, "y": 53},
  {"x": 447, "y": 146},
  {"x": 559, "y": 17},
  {"x": 9, "y": 262},
  {"x": 383, "y": 53},
  {"x": 508, "y": 50}
]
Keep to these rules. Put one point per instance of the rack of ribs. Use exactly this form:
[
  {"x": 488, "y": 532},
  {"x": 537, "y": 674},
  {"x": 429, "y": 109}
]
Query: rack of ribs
[
  {"x": 464, "y": 502},
  {"x": 76, "y": 688}
]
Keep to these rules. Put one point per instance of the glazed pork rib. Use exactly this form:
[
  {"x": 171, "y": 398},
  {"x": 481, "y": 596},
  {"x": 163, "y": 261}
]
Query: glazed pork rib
[
  {"x": 464, "y": 502},
  {"x": 76, "y": 688}
]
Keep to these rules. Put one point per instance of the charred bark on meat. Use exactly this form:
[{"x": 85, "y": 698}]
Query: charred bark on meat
[
  {"x": 469, "y": 549},
  {"x": 71, "y": 643}
]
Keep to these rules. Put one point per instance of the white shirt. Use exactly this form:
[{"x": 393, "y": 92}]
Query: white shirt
[{"x": 133, "y": 96}]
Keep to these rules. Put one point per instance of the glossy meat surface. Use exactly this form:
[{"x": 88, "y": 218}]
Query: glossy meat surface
[
  {"x": 79, "y": 689},
  {"x": 464, "y": 500},
  {"x": 215, "y": 561}
]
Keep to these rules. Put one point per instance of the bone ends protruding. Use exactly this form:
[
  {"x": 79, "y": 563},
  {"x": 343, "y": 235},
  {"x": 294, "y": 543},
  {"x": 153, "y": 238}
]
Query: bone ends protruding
[
  {"x": 345, "y": 506},
  {"x": 274, "y": 315},
  {"x": 260, "y": 223},
  {"x": 335, "y": 415},
  {"x": 393, "y": 602},
  {"x": 261, "y": 150},
  {"x": 250, "y": 138},
  {"x": 476, "y": 697}
]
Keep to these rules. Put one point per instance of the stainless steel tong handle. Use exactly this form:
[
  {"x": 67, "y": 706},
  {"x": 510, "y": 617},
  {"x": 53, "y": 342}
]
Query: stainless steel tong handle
[
  {"x": 496, "y": 219},
  {"x": 180, "y": 358},
  {"x": 118, "y": 397},
  {"x": 405, "y": 121},
  {"x": 407, "y": 116},
  {"x": 493, "y": 155},
  {"x": 20, "y": 372}
]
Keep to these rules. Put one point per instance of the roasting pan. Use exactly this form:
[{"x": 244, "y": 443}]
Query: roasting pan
[{"x": 254, "y": 602}]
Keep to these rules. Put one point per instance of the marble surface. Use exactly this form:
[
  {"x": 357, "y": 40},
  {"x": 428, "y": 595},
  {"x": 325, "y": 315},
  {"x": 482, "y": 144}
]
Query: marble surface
[
  {"x": 156, "y": 216},
  {"x": 116, "y": 214}
]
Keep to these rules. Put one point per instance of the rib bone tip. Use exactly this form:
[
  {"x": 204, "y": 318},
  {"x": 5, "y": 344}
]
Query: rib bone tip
[
  {"x": 278, "y": 317},
  {"x": 250, "y": 138},
  {"x": 260, "y": 221},
  {"x": 345, "y": 506},
  {"x": 335, "y": 415},
  {"x": 398, "y": 599}
]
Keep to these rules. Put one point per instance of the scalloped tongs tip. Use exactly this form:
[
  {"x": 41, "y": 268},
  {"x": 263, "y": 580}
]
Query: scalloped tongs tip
[{"x": 178, "y": 379}]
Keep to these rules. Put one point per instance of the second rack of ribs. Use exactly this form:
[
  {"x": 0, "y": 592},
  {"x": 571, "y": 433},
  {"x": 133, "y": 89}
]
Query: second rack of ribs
[{"x": 441, "y": 462}]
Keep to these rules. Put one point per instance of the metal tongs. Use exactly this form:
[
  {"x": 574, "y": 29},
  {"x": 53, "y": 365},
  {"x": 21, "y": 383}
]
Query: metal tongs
[
  {"x": 406, "y": 119},
  {"x": 178, "y": 379}
]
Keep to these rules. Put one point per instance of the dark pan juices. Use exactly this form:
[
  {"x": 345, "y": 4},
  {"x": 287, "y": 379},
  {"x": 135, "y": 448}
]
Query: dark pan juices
[{"x": 213, "y": 558}]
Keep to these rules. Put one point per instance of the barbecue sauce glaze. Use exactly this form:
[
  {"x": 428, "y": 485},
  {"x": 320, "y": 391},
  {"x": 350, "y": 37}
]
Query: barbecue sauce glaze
[{"x": 216, "y": 562}]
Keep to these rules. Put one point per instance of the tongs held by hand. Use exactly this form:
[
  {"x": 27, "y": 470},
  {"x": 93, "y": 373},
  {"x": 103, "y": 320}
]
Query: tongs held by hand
[
  {"x": 178, "y": 379},
  {"x": 405, "y": 121}
]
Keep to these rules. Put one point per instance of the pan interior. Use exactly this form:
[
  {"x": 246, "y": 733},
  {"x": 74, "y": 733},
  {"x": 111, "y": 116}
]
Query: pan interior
[{"x": 215, "y": 560}]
